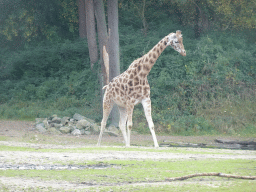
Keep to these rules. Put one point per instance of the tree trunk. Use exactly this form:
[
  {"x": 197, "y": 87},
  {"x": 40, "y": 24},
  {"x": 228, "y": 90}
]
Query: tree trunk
[
  {"x": 91, "y": 32},
  {"x": 113, "y": 50},
  {"x": 102, "y": 38},
  {"x": 197, "y": 30},
  {"x": 82, "y": 19},
  {"x": 102, "y": 33}
]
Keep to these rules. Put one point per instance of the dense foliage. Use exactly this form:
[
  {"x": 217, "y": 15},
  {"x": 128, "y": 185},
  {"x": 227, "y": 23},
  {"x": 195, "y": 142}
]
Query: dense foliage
[{"x": 211, "y": 90}]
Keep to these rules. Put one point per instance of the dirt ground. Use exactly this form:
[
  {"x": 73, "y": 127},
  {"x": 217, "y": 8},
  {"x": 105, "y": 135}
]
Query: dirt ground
[
  {"x": 18, "y": 132},
  {"x": 19, "y": 129}
]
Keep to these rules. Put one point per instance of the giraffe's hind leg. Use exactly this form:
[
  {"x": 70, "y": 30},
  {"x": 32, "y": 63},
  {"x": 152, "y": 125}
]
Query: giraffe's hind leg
[{"x": 107, "y": 107}]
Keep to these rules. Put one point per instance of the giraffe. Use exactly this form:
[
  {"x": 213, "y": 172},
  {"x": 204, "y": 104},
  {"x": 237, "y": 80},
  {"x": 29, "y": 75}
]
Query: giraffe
[{"x": 132, "y": 87}]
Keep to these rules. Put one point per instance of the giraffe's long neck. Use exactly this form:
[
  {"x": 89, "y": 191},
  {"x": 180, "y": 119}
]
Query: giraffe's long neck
[{"x": 148, "y": 60}]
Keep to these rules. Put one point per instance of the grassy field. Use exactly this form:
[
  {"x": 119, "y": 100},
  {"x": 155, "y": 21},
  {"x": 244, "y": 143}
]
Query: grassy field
[{"x": 118, "y": 168}]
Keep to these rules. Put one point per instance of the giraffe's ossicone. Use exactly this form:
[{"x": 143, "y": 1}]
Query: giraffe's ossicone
[{"x": 131, "y": 87}]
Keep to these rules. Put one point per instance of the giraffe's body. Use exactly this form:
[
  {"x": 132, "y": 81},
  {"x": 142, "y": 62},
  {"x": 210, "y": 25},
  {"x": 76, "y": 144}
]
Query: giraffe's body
[{"x": 131, "y": 87}]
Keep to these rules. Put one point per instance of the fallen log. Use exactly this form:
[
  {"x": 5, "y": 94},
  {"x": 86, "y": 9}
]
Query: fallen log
[{"x": 210, "y": 174}]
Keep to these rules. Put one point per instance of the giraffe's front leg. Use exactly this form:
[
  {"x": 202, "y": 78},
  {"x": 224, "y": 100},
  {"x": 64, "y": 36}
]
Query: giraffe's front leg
[
  {"x": 147, "y": 109},
  {"x": 122, "y": 122},
  {"x": 129, "y": 123}
]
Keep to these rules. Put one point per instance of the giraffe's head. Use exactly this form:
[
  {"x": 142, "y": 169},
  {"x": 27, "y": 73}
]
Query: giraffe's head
[{"x": 175, "y": 40}]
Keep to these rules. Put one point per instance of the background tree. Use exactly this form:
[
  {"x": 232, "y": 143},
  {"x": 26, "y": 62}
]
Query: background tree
[
  {"x": 82, "y": 19},
  {"x": 110, "y": 41}
]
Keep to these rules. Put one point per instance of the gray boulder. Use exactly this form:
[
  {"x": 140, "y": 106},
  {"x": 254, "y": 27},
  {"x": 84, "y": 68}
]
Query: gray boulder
[
  {"x": 53, "y": 131},
  {"x": 56, "y": 120},
  {"x": 65, "y": 120},
  {"x": 40, "y": 128},
  {"x": 76, "y": 132},
  {"x": 83, "y": 124},
  {"x": 65, "y": 130},
  {"x": 78, "y": 117}
]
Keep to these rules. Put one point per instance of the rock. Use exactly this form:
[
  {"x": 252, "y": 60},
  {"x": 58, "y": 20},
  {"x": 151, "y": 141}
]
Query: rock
[
  {"x": 87, "y": 132},
  {"x": 76, "y": 132},
  {"x": 55, "y": 125},
  {"x": 39, "y": 120},
  {"x": 83, "y": 124},
  {"x": 78, "y": 117},
  {"x": 72, "y": 127},
  {"x": 40, "y": 128},
  {"x": 82, "y": 131},
  {"x": 56, "y": 120},
  {"x": 90, "y": 120},
  {"x": 52, "y": 130},
  {"x": 39, "y": 125},
  {"x": 46, "y": 124},
  {"x": 95, "y": 128},
  {"x": 113, "y": 129},
  {"x": 65, "y": 120},
  {"x": 65, "y": 130}
]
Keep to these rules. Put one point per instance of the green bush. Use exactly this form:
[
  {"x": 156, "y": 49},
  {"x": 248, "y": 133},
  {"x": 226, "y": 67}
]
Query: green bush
[{"x": 189, "y": 94}]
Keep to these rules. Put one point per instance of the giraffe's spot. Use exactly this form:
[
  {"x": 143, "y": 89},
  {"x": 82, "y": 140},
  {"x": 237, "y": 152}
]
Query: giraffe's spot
[
  {"x": 154, "y": 49},
  {"x": 151, "y": 61},
  {"x": 136, "y": 81},
  {"x": 130, "y": 90},
  {"x": 130, "y": 83},
  {"x": 118, "y": 84},
  {"x": 131, "y": 76},
  {"x": 122, "y": 87},
  {"x": 145, "y": 90},
  {"x": 165, "y": 43},
  {"x": 158, "y": 51},
  {"x": 121, "y": 93},
  {"x": 120, "y": 80},
  {"x": 154, "y": 55},
  {"x": 138, "y": 89},
  {"x": 117, "y": 91},
  {"x": 114, "y": 84},
  {"x": 133, "y": 95},
  {"x": 135, "y": 65},
  {"x": 125, "y": 81},
  {"x": 149, "y": 55},
  {"x": 138, "y": 96},
  {"x": 142, "y": 75},
  {"x": 139, "y": 68},
  {"x": 142, "y": 82},
  {"x": 161, "y": 47},
  {"x": 146, "y": 60},
  {"x": 114, "y": 94},
  {"x": 146, "y": 67},
  {"x": 134, "y": 73}
]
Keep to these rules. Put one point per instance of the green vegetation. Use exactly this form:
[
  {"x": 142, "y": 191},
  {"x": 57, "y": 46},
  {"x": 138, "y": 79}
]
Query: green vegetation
[
  {"x": 210, "y": 91},
  {"x": 124, "y": 172}
]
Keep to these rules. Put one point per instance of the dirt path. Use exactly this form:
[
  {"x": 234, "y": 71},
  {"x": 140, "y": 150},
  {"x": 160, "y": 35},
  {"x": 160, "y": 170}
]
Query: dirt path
[{"x": 22, "y": 130}]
